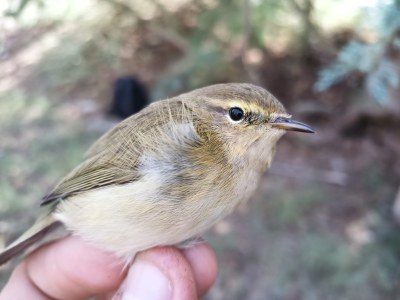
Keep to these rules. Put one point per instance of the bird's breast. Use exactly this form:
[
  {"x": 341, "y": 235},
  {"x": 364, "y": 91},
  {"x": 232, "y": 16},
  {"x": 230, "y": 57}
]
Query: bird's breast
[{"x": 177, "y": 196}]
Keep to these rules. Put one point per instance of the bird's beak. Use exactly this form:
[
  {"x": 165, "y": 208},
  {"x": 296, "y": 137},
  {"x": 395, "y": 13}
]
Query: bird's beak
[{"x": 291, "y": 125}]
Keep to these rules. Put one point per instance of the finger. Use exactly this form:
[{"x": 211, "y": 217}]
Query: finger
[
  {"x": 204, "y": 265},
  {"x": 160, "y": 273},
  {"x": 20, "y": 286},
  {"x": 72, "y": 269}
]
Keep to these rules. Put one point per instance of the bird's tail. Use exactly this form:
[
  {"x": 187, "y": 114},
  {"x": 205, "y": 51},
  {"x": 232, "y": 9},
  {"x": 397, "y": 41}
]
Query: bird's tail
[{"x": 35, "y": 235}]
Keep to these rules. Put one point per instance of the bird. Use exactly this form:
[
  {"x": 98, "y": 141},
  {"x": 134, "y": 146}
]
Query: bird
[{"x": 166, "y": 174}]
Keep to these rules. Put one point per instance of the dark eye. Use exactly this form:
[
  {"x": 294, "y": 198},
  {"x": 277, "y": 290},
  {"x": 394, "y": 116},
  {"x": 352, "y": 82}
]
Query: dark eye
[{"x": 236, "y": 114}]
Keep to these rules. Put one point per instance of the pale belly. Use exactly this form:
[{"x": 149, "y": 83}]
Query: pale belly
[{"x": 128, "y": 218}]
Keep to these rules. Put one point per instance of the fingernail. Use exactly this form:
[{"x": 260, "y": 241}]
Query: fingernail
[{"x": 146, "y": 282}]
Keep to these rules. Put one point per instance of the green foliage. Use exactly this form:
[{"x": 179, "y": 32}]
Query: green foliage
[
  {"x": 77, "y": 59},
  {"x": 204, "y": 61},
  {"x": 213, "y": 36},
  {"x": 371, "y": 59},
  {"x": 38, "y": 145},
  {"x": 223, "y": 32},
  {"x": 21, "y": 6},
  {"x": 195, "y": 69}
]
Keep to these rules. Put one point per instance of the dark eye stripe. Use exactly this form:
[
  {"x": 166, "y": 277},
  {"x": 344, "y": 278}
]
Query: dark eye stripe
[{"x": 253, "y": 118}]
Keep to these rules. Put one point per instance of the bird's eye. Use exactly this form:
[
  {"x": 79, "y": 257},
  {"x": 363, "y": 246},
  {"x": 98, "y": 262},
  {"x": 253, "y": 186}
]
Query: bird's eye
[{"x": 236, "y": 114}]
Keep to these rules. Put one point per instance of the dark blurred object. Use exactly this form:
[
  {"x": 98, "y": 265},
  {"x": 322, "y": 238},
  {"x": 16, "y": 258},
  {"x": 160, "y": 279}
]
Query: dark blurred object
[{"x": 130, "y": 96}]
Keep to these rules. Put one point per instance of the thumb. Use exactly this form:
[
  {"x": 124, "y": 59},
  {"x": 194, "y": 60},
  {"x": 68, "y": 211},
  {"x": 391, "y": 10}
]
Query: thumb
[{"x": 161, "y": 273}]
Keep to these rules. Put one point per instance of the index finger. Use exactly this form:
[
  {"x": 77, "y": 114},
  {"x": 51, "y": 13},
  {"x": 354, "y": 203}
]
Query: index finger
[{"x": 66, "y": 269}]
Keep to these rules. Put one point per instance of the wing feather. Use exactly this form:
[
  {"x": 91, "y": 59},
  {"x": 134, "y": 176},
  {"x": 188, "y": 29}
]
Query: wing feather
[{"x": 115, "y": 157}]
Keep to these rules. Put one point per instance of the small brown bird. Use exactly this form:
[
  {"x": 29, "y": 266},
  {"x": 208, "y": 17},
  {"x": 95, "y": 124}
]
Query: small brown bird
[{"x": 168, "y": 173}]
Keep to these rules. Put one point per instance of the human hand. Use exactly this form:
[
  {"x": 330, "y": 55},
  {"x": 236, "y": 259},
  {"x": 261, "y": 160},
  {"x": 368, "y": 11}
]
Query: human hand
[{"x": 72, "y": 269}]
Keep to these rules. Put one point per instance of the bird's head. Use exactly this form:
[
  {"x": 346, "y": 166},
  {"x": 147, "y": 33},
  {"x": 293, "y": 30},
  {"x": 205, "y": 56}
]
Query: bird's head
[{"x": 247, "y": 119}]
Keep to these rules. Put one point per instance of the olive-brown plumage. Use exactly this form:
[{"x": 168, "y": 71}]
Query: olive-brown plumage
[{"x": 168, "y": 173}]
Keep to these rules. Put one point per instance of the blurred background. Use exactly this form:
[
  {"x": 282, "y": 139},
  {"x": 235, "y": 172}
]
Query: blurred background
[{"x": 324, "y": 222}]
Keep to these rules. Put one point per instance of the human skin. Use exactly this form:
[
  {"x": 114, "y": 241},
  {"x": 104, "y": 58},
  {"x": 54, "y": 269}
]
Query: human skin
[{"x": 72, "y": 269}]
